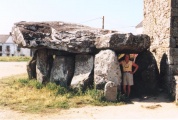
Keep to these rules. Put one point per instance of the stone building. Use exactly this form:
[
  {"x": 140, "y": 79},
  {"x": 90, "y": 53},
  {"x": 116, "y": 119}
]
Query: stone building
[{"x": 161, "y": 24}]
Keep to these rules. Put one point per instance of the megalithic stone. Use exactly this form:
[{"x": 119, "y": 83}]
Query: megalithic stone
[
  {"x": 74, "y": 38},
  {"x": 83, "y": 75},
  {"x": 62, "y": 70},
  {"x": 106, "y": 69},
  {"x": 110, "y": 91},
  {"x": 146, "y": 79},
  {"x": 123, "y": 43},
  {"x": 31, "y": 67},
  {"x": 43, "y": 65}
]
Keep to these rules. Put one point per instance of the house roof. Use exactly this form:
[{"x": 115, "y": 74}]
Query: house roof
[
  {"x": 3, "y": 38},
  {"x": 139, "y": 25}
]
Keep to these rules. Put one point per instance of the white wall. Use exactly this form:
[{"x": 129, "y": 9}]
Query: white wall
[
  {"x": 139, "y": 30},
  {"x": 23, "y": 52},
  {"x": 13, "y": 49},
  {"x": 12, "y": 52}
]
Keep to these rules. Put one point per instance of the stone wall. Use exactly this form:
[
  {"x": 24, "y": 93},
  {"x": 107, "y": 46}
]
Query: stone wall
[{"x": 161, "y": 24}]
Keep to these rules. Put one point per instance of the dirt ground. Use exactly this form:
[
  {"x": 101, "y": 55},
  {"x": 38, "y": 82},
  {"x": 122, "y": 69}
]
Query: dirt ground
[{"x": 157, "y": 107}]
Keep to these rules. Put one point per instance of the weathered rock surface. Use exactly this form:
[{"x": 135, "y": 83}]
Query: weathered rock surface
[
  {"x": 146, "y": 79},
  {"x": 56, "y": 35},
  {"x": 83, "y": 75},
  {"x": 31, "y": 67},
  {"x": 110, "y": 91},
  {"x": 75, "y": 38},
  {"x": 106, "y": 69},
  {"x": 43, "y": 65},
  {"x": 127, "y": 43},
  {"x": 62, "y": 70}
]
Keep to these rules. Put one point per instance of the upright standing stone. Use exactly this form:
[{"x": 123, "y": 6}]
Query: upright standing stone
[
  {"x": 83, "y": 75},
  {"x": 146, "y": 78},
  {"x": 31, "y": 67},
  {"x": 43, "y": 65},
  {"x": 110, "y": 91},
  {"x": 106, "y": 69},
  {"x": 62, "y": 70}
]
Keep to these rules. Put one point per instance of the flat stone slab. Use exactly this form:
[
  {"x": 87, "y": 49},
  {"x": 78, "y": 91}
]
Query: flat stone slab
[
  {"x": 75, "y": 38},
  {"x": 123, "y": 43}
]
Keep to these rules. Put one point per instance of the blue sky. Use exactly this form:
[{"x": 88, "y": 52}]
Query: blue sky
[{"x": 120, "y": 15}]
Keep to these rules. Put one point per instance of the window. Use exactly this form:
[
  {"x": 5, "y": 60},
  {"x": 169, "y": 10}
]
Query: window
[
  {"x": 18, "y": 49},
  {"x": 8, "y": 50}
]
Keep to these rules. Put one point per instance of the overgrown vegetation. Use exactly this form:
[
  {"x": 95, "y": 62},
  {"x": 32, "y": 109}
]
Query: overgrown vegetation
[
  {"x": 22, "y": 94},
  {"x": 14, "y": 58}
]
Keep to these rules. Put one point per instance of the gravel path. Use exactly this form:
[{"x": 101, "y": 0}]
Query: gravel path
[{"x": 150, "y": 108}]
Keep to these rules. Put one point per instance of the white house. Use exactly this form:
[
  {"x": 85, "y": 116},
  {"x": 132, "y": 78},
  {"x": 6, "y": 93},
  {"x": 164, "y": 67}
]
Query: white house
[
  {"x": 139, "y": 28},
  {"x": 9, "y": 48}
]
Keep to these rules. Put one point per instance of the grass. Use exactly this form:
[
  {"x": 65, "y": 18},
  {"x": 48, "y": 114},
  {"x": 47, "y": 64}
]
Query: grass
[
  {"x": 19, "y": 93},
  {"x": 14, "y": 58}
]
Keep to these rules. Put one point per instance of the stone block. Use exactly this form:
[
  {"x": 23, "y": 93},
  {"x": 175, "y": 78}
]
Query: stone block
[
  {"x": 83, "y": 75},
  {"x": 175, "y": 60},
  {"x": 123, "y": 42},
  {"x": 62, "y": 70},
  {"x": 106, "y": 69},
  {"x": 172, "y": 70},
  {"x": 174, "y": 12},
  {"x": 146, "y": 78},
  {"x": 43, "y": 65},
  {"x": 110, "y": 91}
]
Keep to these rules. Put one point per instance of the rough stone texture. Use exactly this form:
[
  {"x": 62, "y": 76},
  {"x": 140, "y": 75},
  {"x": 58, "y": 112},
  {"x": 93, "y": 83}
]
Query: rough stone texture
[
  {"x": 83, "y": 75},
  {"x": 146, "y": 79},
  {"x": 75, "y": 38},
  {"x": 161, "y": 24},
  {"x": 56, "y": 35},
  {"x": 110, "y": 91},
  {"x": 157, "y": 16},
  {"x": 62, "y": 70},
  {"x": 43, "y": 65},
  {"x": 127, "y": 43},
  {"x": 106, "y": 69},
  {"x": 31, "y": 67}
]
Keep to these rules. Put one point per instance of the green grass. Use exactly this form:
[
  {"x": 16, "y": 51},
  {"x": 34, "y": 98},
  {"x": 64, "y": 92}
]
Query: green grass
[
  {"x": 14, "y": 58},
  {"x": 19, "y": 93}
]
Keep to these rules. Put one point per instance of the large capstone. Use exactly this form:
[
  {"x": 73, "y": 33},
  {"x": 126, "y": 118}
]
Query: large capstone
[
  {"x": 146, "y": 79},
  {"x": 74, "y": 38},
  {"x": 106, "y": 69},
  {"x": 123, "y": 43},
  {"x": 62, "y": 70},
  {"x": 83, "y": 75}
]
